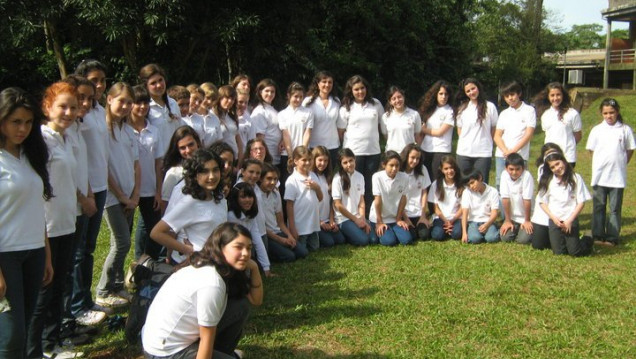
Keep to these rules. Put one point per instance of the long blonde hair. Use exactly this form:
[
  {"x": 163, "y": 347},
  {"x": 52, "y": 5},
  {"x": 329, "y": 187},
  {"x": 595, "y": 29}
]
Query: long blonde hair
[{"x": 118, "y": 89}]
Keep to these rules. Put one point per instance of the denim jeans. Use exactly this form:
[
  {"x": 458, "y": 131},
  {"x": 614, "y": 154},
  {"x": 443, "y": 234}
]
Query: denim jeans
[
  {"x": 568, "y": 243},
  {"x": 476, "y": 237},
  {"x": 354, "y": 235},
  {"x": 481, "y": 163},
  {"x": 393, "y": 235},
  {"x": 23, "y": 272},
  {"x": 367, "y": 165},
  {"x": 120, "y": 224},
  {"x": 329, "y": 239},
  {"x": 281, "y": 253},
  {"x": 438, "y": 233},
  {"x": 607, "y": 227},
  {"x": 311, "y": 241},
  {"x": 44, "y": 330},
  {"x": 82, "y": 298},
  {"x": 147, "y": 219}
]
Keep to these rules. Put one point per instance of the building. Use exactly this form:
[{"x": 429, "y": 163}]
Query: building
[{"x": 619, "y": 70}]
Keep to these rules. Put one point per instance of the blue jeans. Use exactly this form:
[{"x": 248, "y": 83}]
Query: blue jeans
[
  {"x": 311, "y": 241},
  {"x": 438, "y": 233},
  {"x": 483, "y": 164},
  {"x": 23, "y": 272},
  {"x": 356, "y": 236},
  {"x": 120, "y": 224},
  {"x": 281, "y": 253},
  {"x": 367, "y": 165},
  {"x": 607, "y": 227},
  {"x": 476, "y": 237},
  {"x": 394, "y": 235},
  {"x": 330, "y": 239},
  {"x": 81, "y": 297}
]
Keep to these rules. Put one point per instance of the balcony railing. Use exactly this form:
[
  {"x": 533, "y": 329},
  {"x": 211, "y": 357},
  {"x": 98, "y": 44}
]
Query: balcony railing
[{"x": 622, "y": 56}]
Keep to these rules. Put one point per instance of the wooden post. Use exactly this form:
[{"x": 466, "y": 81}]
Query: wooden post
[{"x": 608, "y": 49}]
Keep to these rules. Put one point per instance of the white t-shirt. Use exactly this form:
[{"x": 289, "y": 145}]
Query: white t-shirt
[
  {"x": 212, "y": 128},
  {"x": 61, "y": 210},
  {"x": 196, "y": 121},
  {"x": 514, "y": 122},
  {"x": 306, "y": 202},
  {"x": 245, "y": 129},
  {"x": 391, "y": 190},
  {"x": 562, "y": 131},
  {"x": 257, "y": 240},
  {"x": 172, "y": 177},
  {"x": 95, "y": 133},
  {"x": 265, "y": 122},
  {"x": 190, "y": 298},
  {"x": 561, "y": 199},
  {"x": 272, "y": 204},
  {"x": 124, "y": 151},
  {"x": 325, "y": 205},
  {"x": 361, "y": 123},
  {"x": 159, "y": 116},
  {"x": 350, "y": 200},
  {"x": 442, "y": 115},
  {"x": 610, "y": 145},
  {"x": 538, "y": 215},
  {"x": 451, "y": 203},
  {"x": 195, "y": 220},
  {"x": 480, "y": 204},
  {"x": 414, "y": 193},
  {"x": 325, "y": 132},
  {"x": 81, "y": 158},
  {"x": 149, "y": 146},
  {"x": 517, "y": 191},
  {"x": 295, "y": 121},
  {"x": 229, "y": 130},
  {"x": 475, "y": 139},
  {"x": 21, "y": 205},
  {"x": 400, "y": 128}
]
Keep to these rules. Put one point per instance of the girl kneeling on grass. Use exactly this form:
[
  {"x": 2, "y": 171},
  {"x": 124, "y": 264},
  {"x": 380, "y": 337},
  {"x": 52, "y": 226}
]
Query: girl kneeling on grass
[
  {"x": 562, "y": 195},
  {"x": 329, "y": 234},
  {"x": 387, "y": 210},
  {"x": 417, "y": 192},
  {"x": 480, "y": 203},
  {"x": 200, "y": 311},
  {"x": 446, "y": 193}
]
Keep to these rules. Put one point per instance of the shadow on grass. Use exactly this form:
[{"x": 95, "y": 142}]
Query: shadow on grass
[{"x": 283, "y": 352}]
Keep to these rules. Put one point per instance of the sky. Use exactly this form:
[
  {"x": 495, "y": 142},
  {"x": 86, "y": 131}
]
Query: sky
[{"x": 585, "y": 12}]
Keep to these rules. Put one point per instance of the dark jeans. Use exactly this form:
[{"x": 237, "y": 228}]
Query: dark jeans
[
  {"x": 540, "y": 237},
  {"x": 420, "y": 231},
  {"x": 466, "y": 164},
  {"x": 568, "y": 243},
  {"x": 438, "y": 233},
  {"x": 81, "y": 223},
  {"x": 146, "y": 221},
  {"x": 367, "y": 165},
  {"x": 47, "y": 318},
  {"x": 281, "y": 253},
  {"x": 82, "y": 298},
  {"x": 607, "y": 227},
  {"x": 23, "y": 272}
]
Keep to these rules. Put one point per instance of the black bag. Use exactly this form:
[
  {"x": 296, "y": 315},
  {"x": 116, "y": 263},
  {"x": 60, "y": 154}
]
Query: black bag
[{"x": 148, "y": 276}]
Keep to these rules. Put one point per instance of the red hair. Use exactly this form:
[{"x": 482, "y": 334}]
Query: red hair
[{"x": 53, "y": 91}]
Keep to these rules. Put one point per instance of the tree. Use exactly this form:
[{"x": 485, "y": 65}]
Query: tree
[{"x": 588, "y": 36}]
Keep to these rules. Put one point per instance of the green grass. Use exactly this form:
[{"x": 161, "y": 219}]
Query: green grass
[{"x": 446, "y": 300}]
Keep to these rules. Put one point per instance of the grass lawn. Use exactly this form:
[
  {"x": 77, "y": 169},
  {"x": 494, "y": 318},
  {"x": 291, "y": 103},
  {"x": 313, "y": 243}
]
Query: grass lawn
[{"x": 446, "y": 300}]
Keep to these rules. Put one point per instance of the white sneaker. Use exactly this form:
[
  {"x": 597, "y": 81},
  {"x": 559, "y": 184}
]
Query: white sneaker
[
  {"x": 124, "y": 294},
  {"x": 100, "y": 308},
  {"x": 111, "y": 301},
  {"x": 90, "y": 317},
  {"x": 61, "y": 353},
  {"x": 238, "y": 353}
]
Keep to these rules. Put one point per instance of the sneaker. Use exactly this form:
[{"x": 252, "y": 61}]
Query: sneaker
[
  {"x": 238, "y": 353},
  {"x": 61, "y": 353},
  {"x": 106, "y": 310},
  {"x": 90, "y": 317},
  {"x": 111, "y": 301},
  {"x": 124, "y": 294}
]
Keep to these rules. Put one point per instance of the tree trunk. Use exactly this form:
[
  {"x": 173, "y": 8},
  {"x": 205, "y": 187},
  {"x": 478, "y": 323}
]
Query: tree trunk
[{"x": 54, "y": 43}]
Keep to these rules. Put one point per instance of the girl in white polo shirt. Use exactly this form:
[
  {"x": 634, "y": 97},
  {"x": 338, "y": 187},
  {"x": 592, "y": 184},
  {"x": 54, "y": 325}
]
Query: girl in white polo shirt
[
  {"x": 265, "y": 119},
  {"x": 202, "y": 208},
  {"x": 25, "y": 258},
  {"x": 325, "y": 106},
  {"x": 124, "y": 177},
  {"x": 437, "y": 123},
  {"x": 60, "y": 106},
  {"x": 417, "y": 192},
  {"x": 540, "y": 232},
  {"x": 560, "y": 122},
  {"x": 295, "y": 121},
  {"x": 480, "y": 204},
  {"x": 184, "y": 142},
  {"x": 387, "y": 211},
  {"x": 224, "y": 107},
  {"x": 445, "y": 195},
  {"x": 562, "y": 195},
  {"x": 329, "y": 234},
  {"x": 476, "y": 120},
  {"x": 612, "y": 145},
  {"x": 400, "y": 124}
]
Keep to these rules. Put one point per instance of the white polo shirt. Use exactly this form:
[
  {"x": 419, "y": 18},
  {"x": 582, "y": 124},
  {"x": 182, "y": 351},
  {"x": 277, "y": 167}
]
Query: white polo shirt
[
  {"x": 414, "y": 193},
  {"x": 212, "y": 128},
  {"x": 195, "y": 220},
  {"x": 190, "y": 298},
  {"x": 538, "y": 215},
  {"x": 480, "y": 204},
  {"x": 159, "y": 116},
  {"x": 245, "y": 129},
  {"x": 361, "y": 122},
  {"x": 476, "y": 138},
  {"x": 561, "y": 199},
  {"x": 442, "y": 144},
  {"x": 609, "y": 161},
  {"x": 21, "y": 204},
  {"x": 517, "y": 191},
  {"x": 265, "y": 122},
  {"x": 400, "y": 128},
  {"x": 272, "y": 204},
  {"x": 451, "y": 203},
  {"x": 61, "y": 210},
  {"x": 196, "y": 121},
  {"x": 562, "y": 131},
  {"x": 295, "y": 121},
  {"x": 172, "y": 177},
  {"x": 325, "y": 132},
  {"x": 350, "y": 200},
  {"x": 324, "y": 208},
  {"x": 124, "y": 151},
  {"x": 149, "y": 146},
  {"x": 305, "y": 202},
  {"x": 81, "y": 157},
  {"x": 514, "y": 122},
  {"x": 391, "y": 191},
  {"x": 95, "y": 133}
]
